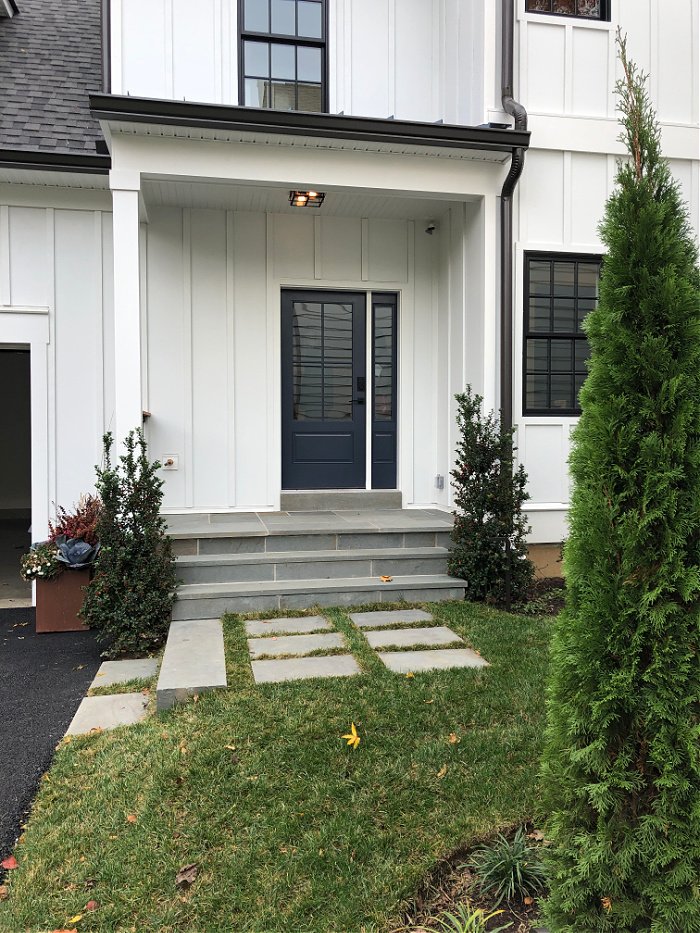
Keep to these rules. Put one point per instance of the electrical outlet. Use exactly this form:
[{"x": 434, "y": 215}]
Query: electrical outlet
[
  {"x": 170, "y": 462},
  {"x": 439, "y": 481}
]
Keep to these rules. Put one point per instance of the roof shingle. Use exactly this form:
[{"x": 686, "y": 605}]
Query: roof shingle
[{"x": 50, "y": 60}]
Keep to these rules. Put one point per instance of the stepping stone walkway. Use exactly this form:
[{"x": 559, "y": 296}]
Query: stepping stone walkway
[
  {"x": 193, "y": 661},
  {"x": 405, "y": 662},
  {"x": 280, "y": 638}
]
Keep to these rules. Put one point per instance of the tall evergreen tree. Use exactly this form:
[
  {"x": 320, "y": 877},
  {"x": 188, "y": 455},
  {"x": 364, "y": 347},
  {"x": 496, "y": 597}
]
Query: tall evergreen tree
[{"x": 622, "y": 758}]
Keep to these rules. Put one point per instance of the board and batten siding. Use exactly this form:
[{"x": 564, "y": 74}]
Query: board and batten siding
[
  {"x": 410, "y": 59},
  {"x": 212, "y": 293},
  {"x": 58, "y": 261}
]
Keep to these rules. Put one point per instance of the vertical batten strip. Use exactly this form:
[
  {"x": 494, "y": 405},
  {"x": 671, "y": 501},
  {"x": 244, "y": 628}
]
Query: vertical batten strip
[
  {"x": 230, "y": 426},
  {"x": 391, "y": 65},
  {"x": 318, "y": 248},
  {"x": 188, "y": 361},
  {"x": 168, "y": 39},
  {"x": 51, "y": 355},
  {"x": 273, "y": 366},
  {"x": 99, "y": 335},
  {"x": 405, "y": 367},
  {"x": 365, "y": 249},
  {"x": 217, "y": 41},
  {"x": 567, "y": 220}
]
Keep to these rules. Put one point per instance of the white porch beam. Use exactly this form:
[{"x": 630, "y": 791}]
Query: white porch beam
[{"x": 127, "y": 304}]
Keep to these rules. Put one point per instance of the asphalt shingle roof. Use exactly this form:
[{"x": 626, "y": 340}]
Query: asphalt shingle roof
[{"x": 50, "y": 60}]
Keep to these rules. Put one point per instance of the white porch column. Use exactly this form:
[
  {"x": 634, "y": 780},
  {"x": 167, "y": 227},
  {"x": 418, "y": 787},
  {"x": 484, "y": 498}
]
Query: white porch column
[{"x": 127, "y": 304}]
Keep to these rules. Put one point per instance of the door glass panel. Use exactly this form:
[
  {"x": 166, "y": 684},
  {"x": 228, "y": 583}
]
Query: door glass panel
[
  {"x": 383, "y": 362},
  {"x": 307, "y": 368},
  {"x": 337, "y": 362}
]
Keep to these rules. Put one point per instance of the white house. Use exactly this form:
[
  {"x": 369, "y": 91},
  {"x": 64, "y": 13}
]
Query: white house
[{"x": 284, "y": 233}]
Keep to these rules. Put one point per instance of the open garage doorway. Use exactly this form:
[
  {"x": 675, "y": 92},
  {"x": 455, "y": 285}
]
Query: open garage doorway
[{"x": 15, "y": 472}]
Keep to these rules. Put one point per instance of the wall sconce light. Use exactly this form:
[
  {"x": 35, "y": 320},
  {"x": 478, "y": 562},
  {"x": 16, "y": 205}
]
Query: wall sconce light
[{"x": 306, "y": 198}]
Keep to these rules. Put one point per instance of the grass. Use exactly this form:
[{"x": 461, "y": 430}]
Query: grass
[{"x": 291, "y": 830}]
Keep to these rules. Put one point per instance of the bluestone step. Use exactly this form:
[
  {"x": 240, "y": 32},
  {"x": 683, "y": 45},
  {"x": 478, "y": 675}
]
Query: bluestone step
[
  {"x": 279, "y": 646},
  {"x": 411, "y": 637},
  {"x": 193, "y": 661},
  {"x": 340, "y": 665},
  {"x": 404, "y": 662},
  {"x": 309, "y": 565},
  {"x": 211, "y": 601}
]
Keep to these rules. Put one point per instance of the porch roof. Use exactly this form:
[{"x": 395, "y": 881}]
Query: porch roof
[{"x": 150, "y": 116}]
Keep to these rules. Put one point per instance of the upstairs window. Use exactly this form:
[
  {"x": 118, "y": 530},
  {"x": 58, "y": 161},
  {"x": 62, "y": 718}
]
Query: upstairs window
[
  {"x": 560, "y": 290},
  {"x": 282, "y": 54},
  {"x": 583, "y": 9}
]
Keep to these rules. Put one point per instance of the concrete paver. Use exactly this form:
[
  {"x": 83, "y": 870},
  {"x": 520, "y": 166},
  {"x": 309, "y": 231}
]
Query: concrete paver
[
  {"x": 293, "y": 644},
  {"x": 404, "y": 662},
  {"x": 120, "y": 672},
  {"x": 341, "y": 665},
  {"x": 411, "y": 637},
  {"x": 297, "y": 626},
  {"x": 108, "y": 712}
]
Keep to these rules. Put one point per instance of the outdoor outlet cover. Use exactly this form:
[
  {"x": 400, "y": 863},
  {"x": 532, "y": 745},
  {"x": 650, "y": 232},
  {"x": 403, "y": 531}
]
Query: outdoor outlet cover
[{"x": 170, "y": 462}]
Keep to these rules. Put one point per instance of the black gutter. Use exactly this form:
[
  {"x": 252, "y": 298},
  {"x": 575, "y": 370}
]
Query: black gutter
[
  {"x": 288, "y": 122},
  {"x": 517, "y": 163},
  {"x": 55, "y": 161},
  {"x": 106, "y": 45},
  {"x": 516, "y": 110}
]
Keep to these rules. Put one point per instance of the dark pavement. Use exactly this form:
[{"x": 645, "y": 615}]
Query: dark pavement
[{"x": 42, "y": 681}]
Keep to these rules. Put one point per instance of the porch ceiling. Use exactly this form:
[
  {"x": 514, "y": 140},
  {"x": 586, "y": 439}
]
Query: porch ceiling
[{"x": 275, "y": 199}]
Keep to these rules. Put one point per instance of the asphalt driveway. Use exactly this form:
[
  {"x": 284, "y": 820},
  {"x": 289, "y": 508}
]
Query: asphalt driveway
[{"x": 42, "y": 681}]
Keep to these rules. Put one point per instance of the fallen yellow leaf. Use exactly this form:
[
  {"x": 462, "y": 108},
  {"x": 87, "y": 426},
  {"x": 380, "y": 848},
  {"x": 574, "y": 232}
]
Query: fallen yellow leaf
[
  {"x": 442, "y": 772},
  {"x": 410, "y": 674},
  {"x": 231, "y": 748},
  {"x": 76, "y": 919},
  {"x": 386, "y": 579},
  {"x": 353, "y": 739},
  {"x": 454, "y": 738}
]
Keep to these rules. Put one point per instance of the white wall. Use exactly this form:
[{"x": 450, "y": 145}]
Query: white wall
[
  {"x": 412, "y": 59},
  {"x": 15, "y": 433},
  {"x": 56, "y": 260},
  {"x": 213, "y": 341}
]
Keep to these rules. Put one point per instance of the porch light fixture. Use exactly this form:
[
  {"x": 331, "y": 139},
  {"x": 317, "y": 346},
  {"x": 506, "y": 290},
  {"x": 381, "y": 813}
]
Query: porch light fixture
[{"x": 306, "y": 198}]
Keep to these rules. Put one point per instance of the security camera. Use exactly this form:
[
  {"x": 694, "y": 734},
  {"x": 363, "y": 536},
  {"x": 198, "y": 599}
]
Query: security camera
[{"x": 430, "y": 229}]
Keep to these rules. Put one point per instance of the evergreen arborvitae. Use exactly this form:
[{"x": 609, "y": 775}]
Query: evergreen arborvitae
[
  {"x": 131, "y": 595},
  {"x": 622, "y": 757},
  {"x": 489, "y": 547}
]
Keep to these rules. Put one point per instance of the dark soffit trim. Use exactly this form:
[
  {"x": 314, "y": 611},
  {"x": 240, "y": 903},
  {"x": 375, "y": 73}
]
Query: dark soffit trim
[
  {"x": 329, "y": 126},
  {"x": 55, "y": 161}
]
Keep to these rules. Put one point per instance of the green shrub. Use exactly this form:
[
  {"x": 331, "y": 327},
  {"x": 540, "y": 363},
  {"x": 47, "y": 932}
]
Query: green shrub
[
  {"x": 509, "y": 868},
  {"x": 622, "y": 760},
  {"x": 489, "y": 547},
  {"x": 130, "y": 598}
]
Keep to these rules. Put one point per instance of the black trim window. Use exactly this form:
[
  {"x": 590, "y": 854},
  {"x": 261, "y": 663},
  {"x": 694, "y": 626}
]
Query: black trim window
[
  {"x": 583, "y": 9},
  {"x": 282, "y": 54},
  {"x": 560, "y": 290}
]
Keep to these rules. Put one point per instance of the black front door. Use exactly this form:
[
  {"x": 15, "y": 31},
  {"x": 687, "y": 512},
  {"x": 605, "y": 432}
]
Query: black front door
[{"x": 323, "y": 390}]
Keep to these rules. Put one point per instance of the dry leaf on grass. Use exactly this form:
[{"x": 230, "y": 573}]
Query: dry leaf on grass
[
  {"x": 187, "y": 875},
  {"x": 442, "y": 772},
  {"x": 9, "y": 863},
  {"x": 536, "y": 835},
  {"x": 453, "y": 738},
  {"x": 91, "y": 905},
  {"x": 4, "y": 892},
  {"x": 130, "y": 818}
]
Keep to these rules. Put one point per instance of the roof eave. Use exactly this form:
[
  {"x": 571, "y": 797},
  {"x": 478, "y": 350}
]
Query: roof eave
[
  {"x": 116, "y": 108},
  {"x": 37, "y": 160}
]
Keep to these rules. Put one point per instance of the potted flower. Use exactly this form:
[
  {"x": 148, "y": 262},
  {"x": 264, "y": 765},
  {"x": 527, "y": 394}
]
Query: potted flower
[{"x": 61, "y": 566}]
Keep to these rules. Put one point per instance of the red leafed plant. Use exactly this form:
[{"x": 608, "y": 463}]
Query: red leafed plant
[{"x": 80, "y": 522}]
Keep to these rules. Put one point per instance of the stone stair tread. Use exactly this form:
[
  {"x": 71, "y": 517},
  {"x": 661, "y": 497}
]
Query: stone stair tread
[
  {"x": 258, "y": 588},
  {"x": 398, "y": 527},
  {"x": 215, "y": 560}
]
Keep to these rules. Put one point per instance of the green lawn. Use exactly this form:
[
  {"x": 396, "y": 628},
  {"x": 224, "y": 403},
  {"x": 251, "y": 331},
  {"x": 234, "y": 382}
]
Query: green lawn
[{"x": 292, "y": 831}]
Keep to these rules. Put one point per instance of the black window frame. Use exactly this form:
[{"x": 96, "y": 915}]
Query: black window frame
[
  {"x": 604, "y": 16},
  {"x": 270, "y": 37},
  {"x": 529, "y": 257}
]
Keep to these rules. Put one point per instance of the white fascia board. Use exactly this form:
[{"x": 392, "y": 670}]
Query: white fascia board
[
  {"x": 260, "y": 163},
  {"x": 7, "y": 8}
]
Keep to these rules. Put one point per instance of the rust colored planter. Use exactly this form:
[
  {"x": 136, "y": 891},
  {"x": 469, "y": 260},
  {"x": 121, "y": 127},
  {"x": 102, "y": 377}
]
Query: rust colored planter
[{"x": 58, "y": 602}]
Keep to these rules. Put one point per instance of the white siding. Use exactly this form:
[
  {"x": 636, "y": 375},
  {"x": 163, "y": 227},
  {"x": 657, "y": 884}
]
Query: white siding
[{"x": 60, "y": 260}]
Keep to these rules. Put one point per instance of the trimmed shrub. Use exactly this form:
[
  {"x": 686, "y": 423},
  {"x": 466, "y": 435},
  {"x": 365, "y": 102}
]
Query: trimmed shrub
[
  {"x": 489, "y": 547},
  {"x": 130, "y": 598},
  {"x": 622, "y": 759}
]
